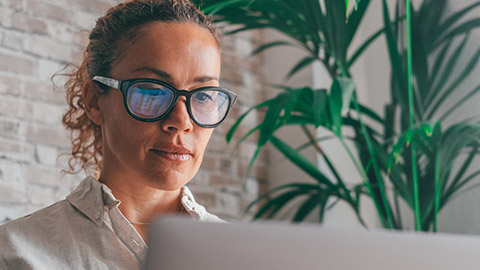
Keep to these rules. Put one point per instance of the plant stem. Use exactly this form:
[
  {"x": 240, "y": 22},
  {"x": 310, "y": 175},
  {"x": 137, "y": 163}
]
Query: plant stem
[
  {"x": 416, "y": 198},
  {"x": 373, "y": 159},
  {"x": 317, "y": 147},
  {"x": 374, "y": 162},
  {"x": 437, "y": 191},
  {"x": 313, "y": 141},
  {"x": 397, "y": 210},
  {"x": 365, "y": 181}
]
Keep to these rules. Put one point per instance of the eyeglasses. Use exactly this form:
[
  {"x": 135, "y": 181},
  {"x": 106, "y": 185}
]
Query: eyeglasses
[{"x": 150, "y": 100}]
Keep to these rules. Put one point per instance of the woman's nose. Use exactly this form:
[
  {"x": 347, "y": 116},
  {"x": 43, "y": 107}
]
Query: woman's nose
[{"x": 178, "y": 120}]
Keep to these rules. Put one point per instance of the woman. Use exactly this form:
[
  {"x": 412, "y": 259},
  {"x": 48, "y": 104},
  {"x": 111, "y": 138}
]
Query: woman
[{"x": 143, "y": 106}]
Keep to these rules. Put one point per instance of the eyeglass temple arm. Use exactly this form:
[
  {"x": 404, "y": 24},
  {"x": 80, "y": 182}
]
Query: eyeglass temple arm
[{"x": 107, "y": 81}]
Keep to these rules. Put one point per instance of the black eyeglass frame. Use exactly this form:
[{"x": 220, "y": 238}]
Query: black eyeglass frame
[{"x": 124, "y": 85}]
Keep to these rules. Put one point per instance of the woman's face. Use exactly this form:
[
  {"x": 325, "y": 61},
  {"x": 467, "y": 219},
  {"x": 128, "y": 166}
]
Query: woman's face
[{"x": 165, "y": 154}]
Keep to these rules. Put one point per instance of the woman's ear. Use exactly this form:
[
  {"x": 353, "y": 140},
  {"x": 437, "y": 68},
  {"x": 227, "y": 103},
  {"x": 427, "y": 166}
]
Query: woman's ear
[{"x": 92, "y": 102}]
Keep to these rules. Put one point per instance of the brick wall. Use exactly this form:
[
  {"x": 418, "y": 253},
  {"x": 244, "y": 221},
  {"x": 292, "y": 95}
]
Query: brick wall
[{"x": 37, "y": 39}]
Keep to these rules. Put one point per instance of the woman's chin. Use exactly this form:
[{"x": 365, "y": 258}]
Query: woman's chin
[{"x": 170, "y": 181}]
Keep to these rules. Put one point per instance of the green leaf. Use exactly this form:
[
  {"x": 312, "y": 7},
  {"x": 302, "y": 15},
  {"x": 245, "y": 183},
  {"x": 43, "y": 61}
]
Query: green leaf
[
  {"x": 271, "y": 117},
  {"x": 395, "y": 59},
  {"x": 354, "y": 21},
  {"x": 442, "y": 55},
  {"x": 364, "y": 46},
  {"x": 347, "y": 87},
  {"x": 240, "y": 119},
  {"x": 429, "y": 16},
  {"x": 308, "y": 205},
  {"x": 292, "y": 102},
  {"x": 468, "y": 69},
  {"x": 300, "y": 65},
  {"x": 274, "y": 205},
  {"x": 244, "y": 137},
  {"x": 270, "y": 45},
  {"x": 450, "y": 66},
  {"x": 450, "y": 21},
  {"x": 319, "y": 105},
  {"x": 301, "y": 162},
  {"x": 307, "y": 187},
  {"x": 252, "y": 161},
  {"x": 461, "y": 172},
  {"x": 339, "y": 101},
  {"x": 459, "y": 103},
  {"x": 371, "y": 114}
]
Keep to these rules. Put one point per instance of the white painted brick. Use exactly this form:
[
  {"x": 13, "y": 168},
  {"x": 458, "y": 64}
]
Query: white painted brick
[
  {"x": 61, "y": 31},
  {"x": 84, "y": 20},
  {"x": 62, "y": 193},
  {"x": 46, "y": 154},
  {"x": 13, "y": 40},
  {"x": 13, "y": 4},
  {"x": 15, "y": 150},
  {"x": 251, "y": 189},
  {"x": 201, "y": 178},
  {"x": 43, "y": 91},
  {"x": 9, "y": 211},
  {"x": 31, "y": 110},
  {"x": 16, "y": 107},
  {"x": 48, "y": 10},
  {"x": 73, "y": 179},
  {"x": 46, "y": 69},
  {"x": 10, "y": 84},
  {"x": 48, "y": 113},
  {"x": 243, "y": 47},
  {"x": 27, "y": 23},
  {"x": 11, "y": 171},
  {"x": 92, "y": 6},
  {"x": 17, "y": 64},
  {"x": 229, "y": 203},
  {"x": 251, "y": 120},
  {"x": 40, "y": 195},
  {"x": 46, "y": 177},
  {"x": 47, "y": 48},
  {"x": 5, "y": 17},
  {"x": 13, "y": 193},
  {"x": 53, "y": 136},
  {"x": 9, "y": 128},
  {"x": 247, "y": 149}
]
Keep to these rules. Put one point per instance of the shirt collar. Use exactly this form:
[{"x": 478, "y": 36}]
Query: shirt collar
[
  {"x": 91, "y": 196},
  {"x": 88, "y": 199}
]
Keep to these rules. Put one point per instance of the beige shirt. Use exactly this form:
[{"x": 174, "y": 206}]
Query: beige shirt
[{"x": 84, "y": 231}]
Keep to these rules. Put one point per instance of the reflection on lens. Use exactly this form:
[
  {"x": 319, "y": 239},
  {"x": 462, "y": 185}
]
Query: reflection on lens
[
  {"x": 148, "y": 100},
  {"x": 209, "y": 107}
]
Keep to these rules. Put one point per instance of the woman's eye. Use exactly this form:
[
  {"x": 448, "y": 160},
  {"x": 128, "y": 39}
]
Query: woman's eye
[{"x": 203, "y": 97}]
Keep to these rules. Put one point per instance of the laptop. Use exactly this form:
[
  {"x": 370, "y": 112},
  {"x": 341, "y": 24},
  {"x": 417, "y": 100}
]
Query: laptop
[{"x": 184, "y": 244}]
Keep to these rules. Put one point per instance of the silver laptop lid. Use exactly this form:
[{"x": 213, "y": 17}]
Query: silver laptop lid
[{"x": 183, "y": 244}]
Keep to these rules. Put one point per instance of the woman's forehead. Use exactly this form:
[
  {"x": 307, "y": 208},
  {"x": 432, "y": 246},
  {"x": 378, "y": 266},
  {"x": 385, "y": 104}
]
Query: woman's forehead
[{"x": 183, "y": 50}]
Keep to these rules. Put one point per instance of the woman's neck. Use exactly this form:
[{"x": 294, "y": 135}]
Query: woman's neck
[{"x": 141, "y": 204}]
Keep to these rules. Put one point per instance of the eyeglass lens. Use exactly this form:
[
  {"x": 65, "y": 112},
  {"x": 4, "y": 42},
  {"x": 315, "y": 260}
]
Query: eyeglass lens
[{"x": 150, "y": 100}]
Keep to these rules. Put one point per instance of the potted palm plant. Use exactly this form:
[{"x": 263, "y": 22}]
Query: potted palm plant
[{"x": 415, "y": 149}]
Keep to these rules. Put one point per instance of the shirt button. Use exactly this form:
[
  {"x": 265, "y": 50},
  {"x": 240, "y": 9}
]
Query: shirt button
[{"x": 98, "y": 215}]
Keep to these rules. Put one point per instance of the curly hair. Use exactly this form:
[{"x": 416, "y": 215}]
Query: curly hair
[{"x": 121, "y": 23}]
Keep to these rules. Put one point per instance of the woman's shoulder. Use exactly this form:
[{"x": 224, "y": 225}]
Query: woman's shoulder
[
  {"x": 24, "y": 240},
  {"x": 36, "y": 221}
]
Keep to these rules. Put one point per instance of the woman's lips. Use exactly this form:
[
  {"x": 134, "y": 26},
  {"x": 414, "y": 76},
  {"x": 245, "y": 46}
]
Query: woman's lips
[{"x": 177, "y": 154}]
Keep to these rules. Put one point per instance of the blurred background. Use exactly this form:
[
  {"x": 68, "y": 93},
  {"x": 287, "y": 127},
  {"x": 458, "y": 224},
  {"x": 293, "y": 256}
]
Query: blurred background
[{"x": 39, "y": 37}]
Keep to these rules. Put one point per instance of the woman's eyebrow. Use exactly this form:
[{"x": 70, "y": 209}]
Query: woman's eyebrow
[
  {"x": 162, "y": 74},
  {"x": 166, "y": 76},
  {"x": 206, "y": 79}
]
